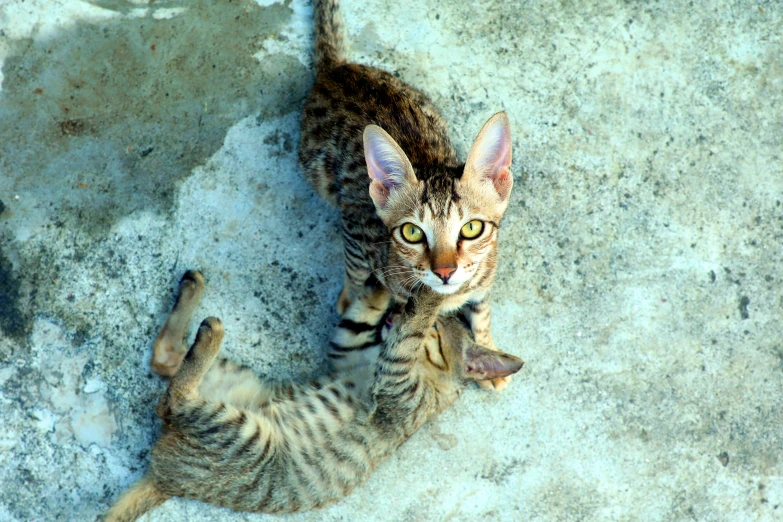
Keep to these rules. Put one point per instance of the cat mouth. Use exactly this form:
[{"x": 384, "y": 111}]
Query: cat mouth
[{"x": 446, "y": 288}]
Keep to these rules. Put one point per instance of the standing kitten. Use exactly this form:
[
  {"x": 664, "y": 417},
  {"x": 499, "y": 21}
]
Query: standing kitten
[
  {"x": 412, "y": 214},
  {"x": 234, "y": 440}
]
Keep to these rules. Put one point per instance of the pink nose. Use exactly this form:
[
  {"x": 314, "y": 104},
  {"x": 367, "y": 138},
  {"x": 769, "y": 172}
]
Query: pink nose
[{"x": 445, "y": 272}]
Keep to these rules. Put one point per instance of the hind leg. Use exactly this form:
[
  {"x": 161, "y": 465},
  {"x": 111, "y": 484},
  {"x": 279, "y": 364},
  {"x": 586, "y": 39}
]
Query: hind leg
[
  {"x": 196, "y": 364},
  {"x": 170, "y": 347}
]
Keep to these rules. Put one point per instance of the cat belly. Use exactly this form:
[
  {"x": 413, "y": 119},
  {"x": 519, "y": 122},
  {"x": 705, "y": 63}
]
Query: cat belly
[{"x": 229, "y": 383}]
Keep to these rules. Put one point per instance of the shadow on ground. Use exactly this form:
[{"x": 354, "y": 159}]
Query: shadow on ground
[{"x": 104, "y": 119}]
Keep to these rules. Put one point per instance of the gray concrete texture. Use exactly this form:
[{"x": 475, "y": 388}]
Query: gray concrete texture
[{"x": 640, "y": 260}]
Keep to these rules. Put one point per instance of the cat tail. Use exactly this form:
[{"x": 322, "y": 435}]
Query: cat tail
[
  {"x": 328, "y": 33},
  {"x": 140, "y": 498}
]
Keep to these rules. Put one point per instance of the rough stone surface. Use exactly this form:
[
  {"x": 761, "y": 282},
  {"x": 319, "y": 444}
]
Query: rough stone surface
[{"x": 641, "y": 257}]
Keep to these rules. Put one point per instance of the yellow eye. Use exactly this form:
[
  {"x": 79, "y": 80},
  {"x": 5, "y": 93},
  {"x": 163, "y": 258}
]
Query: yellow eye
[
  {"x": 411, "y": 233},
  {"x": 472, "y": 229}
]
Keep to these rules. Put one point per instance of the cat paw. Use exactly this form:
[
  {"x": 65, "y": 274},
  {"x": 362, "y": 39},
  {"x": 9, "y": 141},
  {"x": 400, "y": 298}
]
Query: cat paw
[
  {"x": 208, "y": 339},
  {"x": 499, "y": 384},
  {"x": 166, "y": 357},
  {"x": 344, "y": 301}
]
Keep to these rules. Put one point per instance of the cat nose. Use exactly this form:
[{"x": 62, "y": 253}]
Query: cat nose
[{"x": 445, "y": 272}]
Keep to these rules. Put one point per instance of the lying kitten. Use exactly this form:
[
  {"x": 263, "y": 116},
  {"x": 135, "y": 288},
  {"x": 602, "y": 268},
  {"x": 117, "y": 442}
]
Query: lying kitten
[
  {"x": 237, "y": 441},
  {"x": 412, "y": 214}
]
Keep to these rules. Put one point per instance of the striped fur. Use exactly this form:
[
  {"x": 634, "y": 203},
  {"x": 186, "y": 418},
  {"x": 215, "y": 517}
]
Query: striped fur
[
  {"x": 353, "y": 110},
  {"x": 235, "y": 440}
]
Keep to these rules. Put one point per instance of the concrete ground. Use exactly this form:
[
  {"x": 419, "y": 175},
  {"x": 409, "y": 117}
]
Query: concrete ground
[{"x": 640, "y": 273}]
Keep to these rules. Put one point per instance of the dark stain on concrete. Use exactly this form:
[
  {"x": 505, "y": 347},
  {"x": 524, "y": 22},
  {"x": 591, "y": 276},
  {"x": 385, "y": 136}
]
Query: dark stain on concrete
[
  {"x": 499, "y": 472},
  {"x": 106, "y": 118},
  {"x": 743, "y": 307},
  {"x": 723, "y": 457},
  {"x": 14, "y": 321}
]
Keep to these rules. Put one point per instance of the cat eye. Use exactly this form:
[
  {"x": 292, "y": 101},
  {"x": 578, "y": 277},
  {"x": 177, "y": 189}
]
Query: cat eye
[
  {"x": 411, "y": 233},
  {"x": 472, "y": 229}
]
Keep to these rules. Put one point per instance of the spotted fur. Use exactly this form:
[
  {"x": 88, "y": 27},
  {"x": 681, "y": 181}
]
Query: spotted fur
[
  {"x": 235, "y": 440},
  {"x": 378, "y": 149}
]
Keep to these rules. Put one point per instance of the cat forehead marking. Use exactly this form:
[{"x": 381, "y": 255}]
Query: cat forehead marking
[
  {"x": 440, "y": 199},
  {"x": 444, "y": 225}
]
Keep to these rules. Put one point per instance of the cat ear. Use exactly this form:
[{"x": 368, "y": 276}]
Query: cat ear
[
  {"x": 489, "y": 158},
  {"x": 387, "y": 164},
  {"x": 480, "y": 364}
]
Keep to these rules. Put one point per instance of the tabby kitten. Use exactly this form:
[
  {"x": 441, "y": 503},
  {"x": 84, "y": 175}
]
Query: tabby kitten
[
  {"x": 234, "y": 440},
  {"x": 412, "y": 214}
]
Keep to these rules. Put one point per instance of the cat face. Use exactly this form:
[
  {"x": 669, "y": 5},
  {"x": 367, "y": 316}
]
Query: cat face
[
  {"x": 446, "y": 243},
  {"x": 450, "y": 354},
  {"x": 443, "y": 221},
  {"x": 466, "y": 360}
]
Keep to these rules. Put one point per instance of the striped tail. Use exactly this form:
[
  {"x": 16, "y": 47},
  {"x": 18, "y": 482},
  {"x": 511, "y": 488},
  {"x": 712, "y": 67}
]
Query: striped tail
[
  {"x": 140, "y": 498},
  {"x": 328, "y": 34}
]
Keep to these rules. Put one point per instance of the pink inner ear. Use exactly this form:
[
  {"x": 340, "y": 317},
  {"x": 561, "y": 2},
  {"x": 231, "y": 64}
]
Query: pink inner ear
[
  {"x": 490, "y": 156},
  {"x": 502, "y": 156},
  {"x": 502, "y": 182},
  {"x": 379, "y": 193}
]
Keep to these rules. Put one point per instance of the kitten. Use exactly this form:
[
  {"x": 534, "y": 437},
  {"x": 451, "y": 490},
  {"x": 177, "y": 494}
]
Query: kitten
[
  {"x": 412, "y": 214},
  {"x": 234, "y": 440}
]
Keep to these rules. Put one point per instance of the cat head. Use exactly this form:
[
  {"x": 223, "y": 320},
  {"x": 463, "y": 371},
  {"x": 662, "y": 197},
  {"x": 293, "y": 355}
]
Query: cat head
[
  {"x": 450, "y": 354},
  {"x": 458, "y": 358},
  {"x": 443, "y": 220}
]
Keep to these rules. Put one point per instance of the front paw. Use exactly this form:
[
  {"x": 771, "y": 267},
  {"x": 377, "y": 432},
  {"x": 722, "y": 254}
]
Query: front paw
[
  {"x": 344, "y": 301},
  {"x": 499, "y": 384}
]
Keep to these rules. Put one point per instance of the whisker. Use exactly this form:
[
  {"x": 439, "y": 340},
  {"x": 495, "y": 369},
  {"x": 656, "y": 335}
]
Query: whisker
[
  {"x": 392, "y": 273},
  {"x": 389, "y": 270}
]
